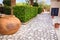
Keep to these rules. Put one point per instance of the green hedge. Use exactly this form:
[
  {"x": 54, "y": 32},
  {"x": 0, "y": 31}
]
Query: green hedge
[
  {"x": 40, "y": 10},
  {"x": 25, "y": 13}
]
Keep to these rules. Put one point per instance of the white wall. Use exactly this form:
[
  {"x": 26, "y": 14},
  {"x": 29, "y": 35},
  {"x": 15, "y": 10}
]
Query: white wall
[{"x": 55, "y": 4}]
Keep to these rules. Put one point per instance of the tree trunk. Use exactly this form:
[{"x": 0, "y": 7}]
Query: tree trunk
[{"x": 31, "y": 2}]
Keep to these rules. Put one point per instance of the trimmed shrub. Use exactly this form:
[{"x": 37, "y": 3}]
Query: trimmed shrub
[
  {"x": 40, "y": 10},
  {"x": 25, "y": 13}
]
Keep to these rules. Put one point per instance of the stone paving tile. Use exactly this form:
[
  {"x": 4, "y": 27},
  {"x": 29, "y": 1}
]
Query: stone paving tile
[
  {"x": 39, "y": 28},
  {"x": 57, "y": 20},
  {"x": 58, "y": 33}
]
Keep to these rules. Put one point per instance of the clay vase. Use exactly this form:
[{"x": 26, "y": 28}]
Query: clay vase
[{"x": 9, "y": 24}]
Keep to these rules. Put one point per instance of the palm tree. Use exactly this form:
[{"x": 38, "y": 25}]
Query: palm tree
[
  {"x": 43, "y": 2},
  {"x": 27, "y": 1}
]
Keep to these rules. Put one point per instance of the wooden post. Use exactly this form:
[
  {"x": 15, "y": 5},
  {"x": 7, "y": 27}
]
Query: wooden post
[{"x": 13, "y": 3}]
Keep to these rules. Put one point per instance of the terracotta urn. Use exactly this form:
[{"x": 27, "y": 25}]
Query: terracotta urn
[{"x": 9, "y": 24}]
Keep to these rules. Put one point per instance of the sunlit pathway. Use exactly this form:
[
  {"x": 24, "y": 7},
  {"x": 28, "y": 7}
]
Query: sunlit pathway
[{"x": 39, "y": 28}]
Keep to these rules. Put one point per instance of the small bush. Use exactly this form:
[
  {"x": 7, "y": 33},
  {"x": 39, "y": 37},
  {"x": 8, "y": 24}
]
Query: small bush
[{"x": 25, "y": 13}]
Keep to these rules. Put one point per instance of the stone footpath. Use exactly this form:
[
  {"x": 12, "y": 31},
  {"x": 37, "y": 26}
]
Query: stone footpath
[{"x": 39, "y": 28}]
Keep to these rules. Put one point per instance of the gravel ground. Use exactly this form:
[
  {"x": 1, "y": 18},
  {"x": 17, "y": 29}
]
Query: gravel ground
[{"x": 39, "y": 28}]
